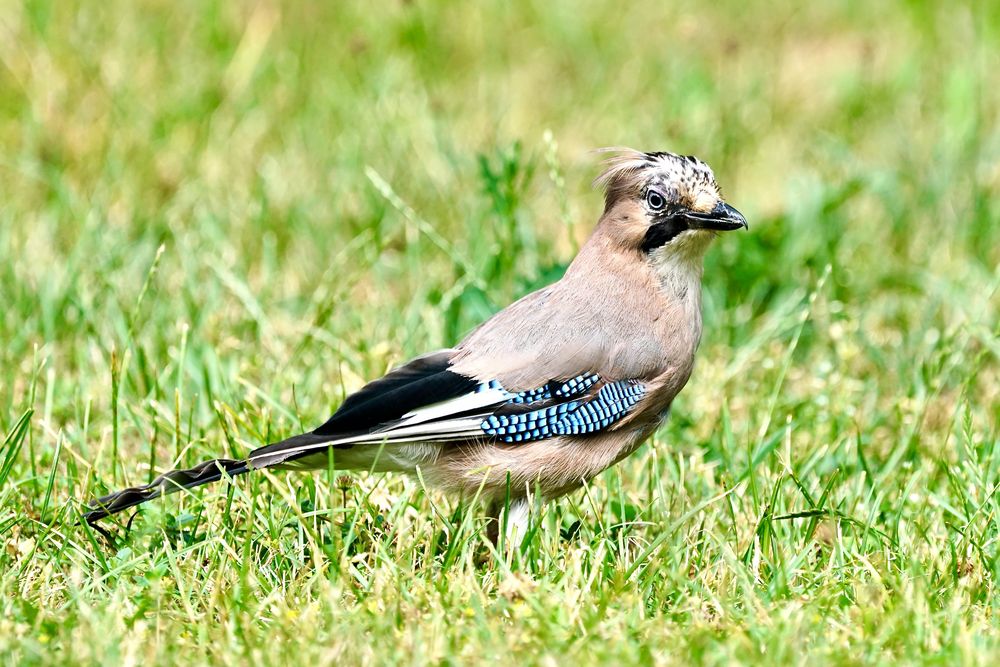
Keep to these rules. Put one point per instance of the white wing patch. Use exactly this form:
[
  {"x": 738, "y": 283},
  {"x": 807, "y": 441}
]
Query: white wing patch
[
  {"x": 426, "y": 424},
  {"x": 480, "y": 399}
]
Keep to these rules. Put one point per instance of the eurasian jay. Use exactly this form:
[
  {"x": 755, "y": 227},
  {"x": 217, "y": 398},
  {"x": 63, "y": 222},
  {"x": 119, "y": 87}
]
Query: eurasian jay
[{"x": 551, "y": 390}]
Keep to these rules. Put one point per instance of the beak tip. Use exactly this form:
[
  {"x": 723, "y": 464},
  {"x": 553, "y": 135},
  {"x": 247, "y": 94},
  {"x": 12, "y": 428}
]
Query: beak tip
[{"x": 736, "y": 217}]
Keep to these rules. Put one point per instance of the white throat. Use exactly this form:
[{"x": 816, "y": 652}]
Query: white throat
[{"x": 679, "y": 266}]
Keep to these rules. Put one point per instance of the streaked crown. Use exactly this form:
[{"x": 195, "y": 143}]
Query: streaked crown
[{"x": 682, "y": 178}]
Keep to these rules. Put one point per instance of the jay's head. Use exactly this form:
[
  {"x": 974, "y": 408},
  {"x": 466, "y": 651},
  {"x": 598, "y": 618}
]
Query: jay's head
[{"x": 664, "y": 205}]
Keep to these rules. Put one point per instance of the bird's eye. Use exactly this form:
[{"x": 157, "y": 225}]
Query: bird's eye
[{"x": 655, "y": 200}]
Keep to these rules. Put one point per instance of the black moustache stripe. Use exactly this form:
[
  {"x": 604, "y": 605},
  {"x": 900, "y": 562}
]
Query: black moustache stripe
[{"x": 662, "y": 232}]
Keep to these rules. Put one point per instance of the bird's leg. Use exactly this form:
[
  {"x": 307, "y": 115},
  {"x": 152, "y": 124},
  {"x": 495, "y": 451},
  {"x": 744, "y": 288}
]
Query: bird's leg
[
  {"x": 511, "y": 518},
  {"x": 516, "y": 522}
]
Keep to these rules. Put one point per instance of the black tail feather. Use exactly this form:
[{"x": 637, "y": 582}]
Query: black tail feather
[{"x": 175, "y": 480}]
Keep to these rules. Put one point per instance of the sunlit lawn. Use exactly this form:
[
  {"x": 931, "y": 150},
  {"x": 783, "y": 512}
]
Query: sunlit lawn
[{"x": 217, "y": 218}]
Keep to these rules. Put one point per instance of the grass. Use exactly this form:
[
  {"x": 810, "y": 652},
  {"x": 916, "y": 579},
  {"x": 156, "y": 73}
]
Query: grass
[{"x": 218, "y": 218}]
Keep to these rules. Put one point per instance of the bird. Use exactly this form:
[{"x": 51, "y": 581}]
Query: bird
[{"x": 550, "y": 391}]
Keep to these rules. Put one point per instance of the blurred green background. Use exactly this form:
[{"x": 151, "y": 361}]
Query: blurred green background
[{"x": 216, "y": 218}]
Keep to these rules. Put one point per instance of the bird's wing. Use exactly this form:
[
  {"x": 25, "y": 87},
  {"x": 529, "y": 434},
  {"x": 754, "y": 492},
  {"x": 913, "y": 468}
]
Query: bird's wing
[{"x": 427, "y": 400}]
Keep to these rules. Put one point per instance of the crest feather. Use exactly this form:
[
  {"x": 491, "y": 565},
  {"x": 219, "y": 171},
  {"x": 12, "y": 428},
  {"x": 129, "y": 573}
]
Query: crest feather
[{"x": 621, "y": 172}]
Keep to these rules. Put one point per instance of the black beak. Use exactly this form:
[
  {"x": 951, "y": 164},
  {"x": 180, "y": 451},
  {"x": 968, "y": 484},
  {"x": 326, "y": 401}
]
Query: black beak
[{"x": 723, "y": 218}]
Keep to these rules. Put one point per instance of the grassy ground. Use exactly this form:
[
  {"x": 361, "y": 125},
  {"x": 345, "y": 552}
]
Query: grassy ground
[{"x": 217, "y": 218}]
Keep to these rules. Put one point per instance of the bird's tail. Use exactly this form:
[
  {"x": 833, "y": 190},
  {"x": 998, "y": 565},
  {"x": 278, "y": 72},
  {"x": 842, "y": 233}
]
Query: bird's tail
[
  {"x": 175, "y": 480},
  {"x": 276, "y": 455}
]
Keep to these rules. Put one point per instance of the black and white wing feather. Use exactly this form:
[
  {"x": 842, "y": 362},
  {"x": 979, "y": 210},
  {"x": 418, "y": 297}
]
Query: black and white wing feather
[{"x": 425, "y": 401}]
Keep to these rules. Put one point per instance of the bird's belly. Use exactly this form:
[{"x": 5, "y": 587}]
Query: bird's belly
[{"x": 549, "y": 467}]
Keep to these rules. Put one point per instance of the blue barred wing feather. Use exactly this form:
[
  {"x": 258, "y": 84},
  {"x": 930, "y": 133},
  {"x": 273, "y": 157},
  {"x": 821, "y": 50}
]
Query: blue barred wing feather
[{"x": 611, "y": 403}]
